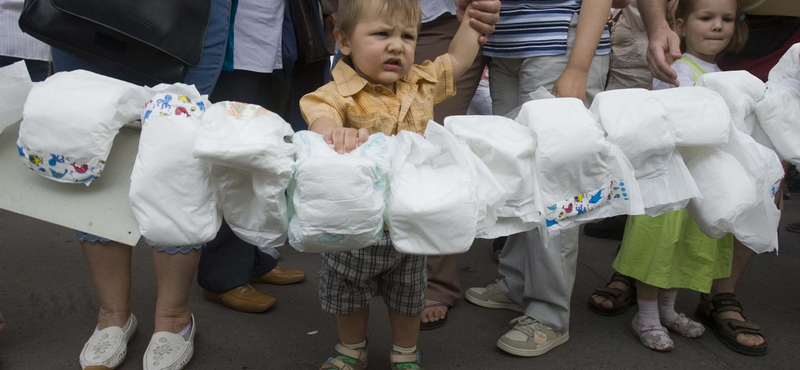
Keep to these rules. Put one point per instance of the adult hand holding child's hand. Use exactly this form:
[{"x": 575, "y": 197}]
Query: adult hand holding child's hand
[
  {"x": 344, "y": 139},
  {"x": 483, "y": 14}
]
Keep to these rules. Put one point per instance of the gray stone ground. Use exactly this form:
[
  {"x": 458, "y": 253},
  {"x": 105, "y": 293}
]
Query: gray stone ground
[{"x": 49, "y": 303}]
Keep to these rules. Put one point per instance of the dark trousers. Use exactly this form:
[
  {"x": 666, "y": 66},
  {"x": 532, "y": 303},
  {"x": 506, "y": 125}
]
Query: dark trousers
[
  {"x": 227, "y": 261},
  {"x": 37, "y": 69}
]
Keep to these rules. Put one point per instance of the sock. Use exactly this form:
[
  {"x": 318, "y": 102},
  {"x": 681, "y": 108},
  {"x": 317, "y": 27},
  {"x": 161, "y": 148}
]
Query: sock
[
  {"x": 186, "y": 332},
  {"x": 666, "y": 303},
  {"x": 648, "y": 311},
  {"x": 404, "y": 351},
  {"x": 124, "y": 327},
  {"x": 356, "y": 346}
]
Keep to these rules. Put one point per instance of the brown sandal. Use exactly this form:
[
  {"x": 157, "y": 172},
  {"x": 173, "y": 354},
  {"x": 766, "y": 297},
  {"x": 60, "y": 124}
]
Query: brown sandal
[
  {"x": 726, "y": 330},
  {"x": 622, "y": 299}
]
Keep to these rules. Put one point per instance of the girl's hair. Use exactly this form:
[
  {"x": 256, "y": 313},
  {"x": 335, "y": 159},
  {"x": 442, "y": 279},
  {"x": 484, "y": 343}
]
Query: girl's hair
[
  {"x": 740, "y": 29},
  {"x": 351, "y": 11}
]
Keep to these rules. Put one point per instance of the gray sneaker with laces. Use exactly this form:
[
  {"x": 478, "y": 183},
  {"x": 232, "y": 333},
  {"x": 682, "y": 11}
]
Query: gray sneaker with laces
[
  {"x": 491, "y": 297},
  {"x": 530, "y": 338}
]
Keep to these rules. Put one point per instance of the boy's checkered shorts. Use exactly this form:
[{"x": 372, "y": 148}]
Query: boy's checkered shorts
[{"x": 348, "y": 280}]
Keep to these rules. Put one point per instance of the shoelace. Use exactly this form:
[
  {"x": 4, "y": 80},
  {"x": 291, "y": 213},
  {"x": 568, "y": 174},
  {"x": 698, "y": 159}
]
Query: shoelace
[{"x": 528, "y": 325}]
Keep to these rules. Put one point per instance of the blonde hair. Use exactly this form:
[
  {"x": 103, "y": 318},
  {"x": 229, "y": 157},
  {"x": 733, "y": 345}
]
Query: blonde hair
[
  {"x": 351, "y": 11},
  {"x": 740, "y": 29}
]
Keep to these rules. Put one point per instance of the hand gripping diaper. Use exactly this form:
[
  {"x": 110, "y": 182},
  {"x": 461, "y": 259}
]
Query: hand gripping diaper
[
  {"x": 70, "y": 121},
  {"x": 337, "y": 200},
  {"x": 15, "y": 84},
  {"x": 507, "y": 150},
  {"x": 580, "y": 176},
  {"x": 173, "y": 195},
  {"x": 252, "y": 156},
  {"x": 636, "y": 122}
]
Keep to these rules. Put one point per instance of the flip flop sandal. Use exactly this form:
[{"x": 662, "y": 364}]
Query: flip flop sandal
[
  {"x": 726, "y": 330},
  {"x": 793, "y": 227},
  {"x": 435, "y": 324},
  {"x": 622, "y": 299}
]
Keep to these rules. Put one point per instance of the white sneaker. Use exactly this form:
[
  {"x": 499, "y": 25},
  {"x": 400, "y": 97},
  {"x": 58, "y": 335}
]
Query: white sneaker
[
  {"x": 169, "y": 351},
  {"x": 491, "y": 297},
  {"x": 531, "y": 338},
  {"x": 107, "y": 348}
]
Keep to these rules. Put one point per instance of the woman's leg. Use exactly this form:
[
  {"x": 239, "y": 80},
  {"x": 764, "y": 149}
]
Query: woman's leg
[
  {"x": 174, "y": 274},
  {"x": 110, "y": 265}
]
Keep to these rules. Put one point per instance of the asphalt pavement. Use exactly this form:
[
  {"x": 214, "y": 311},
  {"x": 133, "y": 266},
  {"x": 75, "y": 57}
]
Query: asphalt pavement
[{"x": 50, "y": 305}]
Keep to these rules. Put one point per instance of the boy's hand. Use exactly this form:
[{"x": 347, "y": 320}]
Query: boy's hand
[
  {"x": 483, "y": 15},
  {"x": 345, "y": 140},
  {"x": 571, "y": 84}
]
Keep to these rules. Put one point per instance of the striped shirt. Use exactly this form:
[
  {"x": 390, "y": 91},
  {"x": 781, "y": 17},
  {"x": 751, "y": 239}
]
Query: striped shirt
[{"x": 529, "y": 28}]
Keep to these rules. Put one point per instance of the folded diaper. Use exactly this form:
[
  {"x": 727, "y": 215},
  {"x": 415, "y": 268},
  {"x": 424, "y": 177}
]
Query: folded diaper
[
  {"x": 70, "y": 121},
  {"x": 15, "y": 84},
  {"x": 740, "y": 90},
  {"x": 337, "y": 199},
  {"x": 696, "y": 116}
]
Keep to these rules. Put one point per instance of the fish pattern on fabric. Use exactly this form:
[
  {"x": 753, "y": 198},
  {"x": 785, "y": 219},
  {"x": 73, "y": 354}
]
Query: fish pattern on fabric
[{"x": 582, "y": 203}]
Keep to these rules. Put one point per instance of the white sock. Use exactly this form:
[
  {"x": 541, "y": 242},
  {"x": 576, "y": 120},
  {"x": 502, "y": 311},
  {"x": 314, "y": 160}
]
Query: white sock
[
  {"x": 404, "y": 351},
  {"x": 356, "y": 346},
  {"x": 648, "y": 312},
  {"x": 186, "y": 332},
  {"x": 666, "y": 303}
]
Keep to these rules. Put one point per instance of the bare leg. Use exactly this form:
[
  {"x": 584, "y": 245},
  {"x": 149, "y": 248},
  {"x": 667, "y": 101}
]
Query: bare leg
[
  {"x": 405, "y": 329},
  {"x": 174, "y": 274},
  {"x": 110, "y": 266},
  {"x": 741, "y": 257},
  {"x": 353, "y": 327}
]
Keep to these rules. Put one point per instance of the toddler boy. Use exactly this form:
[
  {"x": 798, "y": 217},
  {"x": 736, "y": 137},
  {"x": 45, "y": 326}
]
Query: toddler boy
[{"x": 377, "y": 88}]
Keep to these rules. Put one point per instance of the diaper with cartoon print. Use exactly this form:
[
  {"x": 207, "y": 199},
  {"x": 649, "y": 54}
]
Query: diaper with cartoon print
[{"x": 69, "y": 123}]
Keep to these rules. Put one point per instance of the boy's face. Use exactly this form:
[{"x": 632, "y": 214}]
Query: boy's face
[{"x": 381, "y": 46}]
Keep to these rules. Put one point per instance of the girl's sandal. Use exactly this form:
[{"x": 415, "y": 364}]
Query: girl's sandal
[
  {"x": 405, "y": 362},
  {"x": 684, "y": 326},
  {"x": 622, "y": 299},
  {"x": 654, "y": 337},
  {"x": 346, "y": 359}
]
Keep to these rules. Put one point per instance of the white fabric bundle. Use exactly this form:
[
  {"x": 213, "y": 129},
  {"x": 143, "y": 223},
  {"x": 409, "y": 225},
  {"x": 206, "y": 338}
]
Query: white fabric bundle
[
  {"x": 253, "y": 162},
  {"x": 433, "y": 204},
  {"x": 788, "y": 67},
  {"x": 580, "y": 176},
  {"x": 740, "y": 90},
  {"x": 15, "y": 84},
  {"x": 636, "y": 121},
  {"x": 70, "y": 121},
  {"x": 779, "y": 115},
  {"x": 173, "y": 195},
  {"x": 507, "y": 150},
  {"x": 338, "y": 199},
  {"x": 696, "y": 116},
  {"x": 490, "y": 193}
]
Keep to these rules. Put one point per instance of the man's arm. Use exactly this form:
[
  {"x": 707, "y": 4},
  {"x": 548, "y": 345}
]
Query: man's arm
[
  {"x": 665, "y": 45},
  {"x": 592, "y": 22},
  {"x": 482, "y": 17}
]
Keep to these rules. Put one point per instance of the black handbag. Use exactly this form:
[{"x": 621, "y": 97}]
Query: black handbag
[
  {"x": 157, "y": 40},
  {"x": 311, "y": 46}
]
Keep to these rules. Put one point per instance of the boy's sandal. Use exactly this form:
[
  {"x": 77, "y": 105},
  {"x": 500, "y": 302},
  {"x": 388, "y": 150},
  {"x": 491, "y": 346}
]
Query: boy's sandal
[
  {"x": 727, "y": 330},
  {"x": 346, "y": 359},
  {"x": 435, "y": 324},
  {"x": 405, "y": 362},
  {"x": 622, "y": 299}
]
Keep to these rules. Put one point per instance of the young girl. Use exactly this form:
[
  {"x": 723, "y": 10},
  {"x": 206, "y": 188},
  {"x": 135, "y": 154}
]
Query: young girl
[{"x": 668, "y": 252}]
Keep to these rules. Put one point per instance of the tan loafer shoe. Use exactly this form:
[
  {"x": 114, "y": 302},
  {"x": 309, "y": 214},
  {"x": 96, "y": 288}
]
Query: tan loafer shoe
[
  {"x": 280, "y": 276},
  {"x": 244, "y": 299}
]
